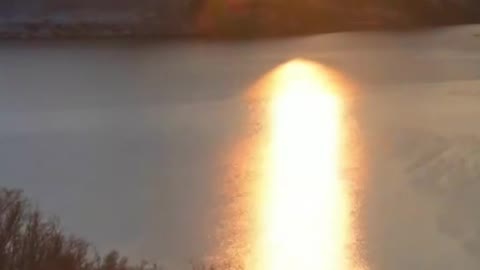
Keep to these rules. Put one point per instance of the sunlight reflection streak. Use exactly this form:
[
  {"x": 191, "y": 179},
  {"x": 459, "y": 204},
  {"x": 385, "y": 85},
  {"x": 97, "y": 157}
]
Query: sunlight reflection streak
[{"x": 304, "y": 209}]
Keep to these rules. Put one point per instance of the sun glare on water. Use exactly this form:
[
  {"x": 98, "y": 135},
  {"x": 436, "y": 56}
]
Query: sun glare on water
[{"x": 303, "y": 206}]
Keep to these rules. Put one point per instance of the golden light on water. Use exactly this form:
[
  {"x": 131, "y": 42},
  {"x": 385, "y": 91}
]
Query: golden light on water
[
  {"x": 303, "y": 205},
  {"x": 291, "y": 206}
]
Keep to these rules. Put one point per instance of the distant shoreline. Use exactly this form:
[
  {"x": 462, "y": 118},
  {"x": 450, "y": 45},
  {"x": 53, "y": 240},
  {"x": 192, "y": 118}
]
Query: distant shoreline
[
  {"x": 100, "y": 32},
  {"x": 224, "y": 19}
]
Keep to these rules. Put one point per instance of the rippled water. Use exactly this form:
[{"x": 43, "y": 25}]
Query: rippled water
[
  {"x": 162, "y": 142},
  {"x": 301, "y": 197}
]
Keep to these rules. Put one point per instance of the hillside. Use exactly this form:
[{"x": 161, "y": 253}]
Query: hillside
[{"x": 73, "y": 18}]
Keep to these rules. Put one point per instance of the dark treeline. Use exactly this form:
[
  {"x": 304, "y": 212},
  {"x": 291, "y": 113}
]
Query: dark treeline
[
  {"x": 31, "y": 241},
  {"x": 255, "y": 18},
  {"x": 278, "y": 17}
]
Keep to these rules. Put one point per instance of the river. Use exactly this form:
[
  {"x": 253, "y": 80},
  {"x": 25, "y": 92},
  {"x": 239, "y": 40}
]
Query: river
[{"x": 148, "y": 146}]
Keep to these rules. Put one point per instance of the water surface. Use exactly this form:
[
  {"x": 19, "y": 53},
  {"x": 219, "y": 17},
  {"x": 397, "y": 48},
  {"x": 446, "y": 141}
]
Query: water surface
[{"x": 131, "y": 143}]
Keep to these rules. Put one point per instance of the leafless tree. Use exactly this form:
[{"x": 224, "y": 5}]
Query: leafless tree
[{"x": 30, "y": 241}]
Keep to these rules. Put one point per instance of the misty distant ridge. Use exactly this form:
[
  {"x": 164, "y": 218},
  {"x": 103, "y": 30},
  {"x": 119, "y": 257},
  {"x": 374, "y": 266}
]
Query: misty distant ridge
[{"x": 51, "y": 18}]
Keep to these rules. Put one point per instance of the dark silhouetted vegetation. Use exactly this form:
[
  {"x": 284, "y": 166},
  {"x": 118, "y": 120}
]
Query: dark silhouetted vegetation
[
  {"x": 280, "y": 17},
  {"x": 243, "y": 18},
  {"x": 31, "y": 241}
]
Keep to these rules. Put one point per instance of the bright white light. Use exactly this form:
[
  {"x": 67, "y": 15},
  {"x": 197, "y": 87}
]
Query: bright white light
[{"x": 304, "y": 209}]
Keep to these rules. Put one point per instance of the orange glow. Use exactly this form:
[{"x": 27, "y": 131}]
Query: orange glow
[{"x": 304, "y": 209}]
